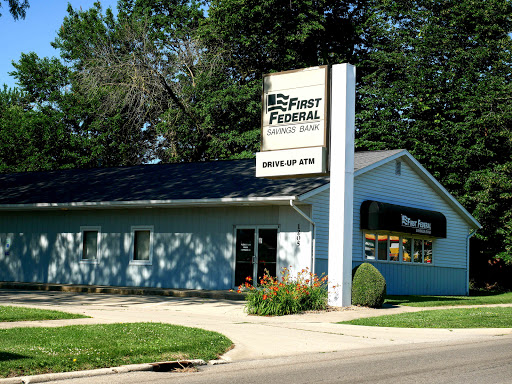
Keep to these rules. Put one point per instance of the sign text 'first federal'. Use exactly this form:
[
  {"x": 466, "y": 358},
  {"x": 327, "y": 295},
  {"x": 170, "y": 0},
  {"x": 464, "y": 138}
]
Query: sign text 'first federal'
[{"x": 279, "y": 106}]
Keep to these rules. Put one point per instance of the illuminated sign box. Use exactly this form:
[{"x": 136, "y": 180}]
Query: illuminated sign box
[
  {"x": 294, "y": 116},
  {"x": 294, "y": 109}
]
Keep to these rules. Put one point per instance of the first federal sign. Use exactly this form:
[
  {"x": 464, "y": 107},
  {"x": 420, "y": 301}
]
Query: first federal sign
[{"x": 294, "y": 109}]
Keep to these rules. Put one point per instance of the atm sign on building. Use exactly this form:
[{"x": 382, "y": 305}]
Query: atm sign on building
[{"x": 294, "y": 123}]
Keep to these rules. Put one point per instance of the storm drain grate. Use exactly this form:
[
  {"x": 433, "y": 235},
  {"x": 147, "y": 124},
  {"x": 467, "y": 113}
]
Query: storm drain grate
[{"x": 174, "y": 366}]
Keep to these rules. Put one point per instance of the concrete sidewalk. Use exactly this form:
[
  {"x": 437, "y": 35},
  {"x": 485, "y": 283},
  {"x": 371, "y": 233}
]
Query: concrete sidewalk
[{"x": 254, "y": 337}]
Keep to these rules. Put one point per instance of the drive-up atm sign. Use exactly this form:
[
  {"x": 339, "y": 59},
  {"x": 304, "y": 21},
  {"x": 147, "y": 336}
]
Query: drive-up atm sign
[{"x": 294, "y": 121}]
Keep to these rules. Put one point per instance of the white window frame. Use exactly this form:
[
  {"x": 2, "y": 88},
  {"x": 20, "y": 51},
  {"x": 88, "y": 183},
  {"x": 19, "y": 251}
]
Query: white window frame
[
  {"x": 98, "y": 244},
  {"x": 400, "y": 257},
  {"x": 135, "y": 228}
]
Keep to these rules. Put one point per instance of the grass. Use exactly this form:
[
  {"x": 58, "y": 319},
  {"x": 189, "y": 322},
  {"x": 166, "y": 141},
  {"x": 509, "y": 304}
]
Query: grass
[
  {"x": 480, "y": 298},
  {"x": 489, "y": 317},
  {"x": 28, "y": 351},
  {"x": 10, "y": 313}
]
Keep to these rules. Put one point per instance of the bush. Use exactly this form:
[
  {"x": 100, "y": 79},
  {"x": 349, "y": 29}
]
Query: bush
[
  {"x": 276, "y": 298},
  {"x": 368, "y": 286}
]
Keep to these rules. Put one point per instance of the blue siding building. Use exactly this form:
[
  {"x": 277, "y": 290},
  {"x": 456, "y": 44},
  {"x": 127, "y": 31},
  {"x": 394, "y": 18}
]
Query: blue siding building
[{"x": 209, "y": 225}]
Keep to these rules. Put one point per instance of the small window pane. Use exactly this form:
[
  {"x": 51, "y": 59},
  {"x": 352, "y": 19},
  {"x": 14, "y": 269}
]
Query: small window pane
[
  {"x": 141, "y": 246},
  {"x": 427, "y": 251},
  {"x": 369, "y": 246},
  {"x": 90, "y": 245},
  {"x": 394, "y": 248},
  {"x": 382, "y": 247},
  {"x": 418, "y": 250},
  {"x": 407, "y": 249}
]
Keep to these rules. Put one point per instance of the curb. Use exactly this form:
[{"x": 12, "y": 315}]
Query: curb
[
  {"x": 173, "y": 292},
  {"x": 157, "y": 366}
]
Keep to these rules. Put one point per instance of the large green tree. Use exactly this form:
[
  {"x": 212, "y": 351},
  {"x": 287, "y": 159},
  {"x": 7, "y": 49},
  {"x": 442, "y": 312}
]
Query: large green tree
[
  {"x": 82, "y": 135},
  {"x": 437, "y": 81},
  {"x": 196, "y": 80}
]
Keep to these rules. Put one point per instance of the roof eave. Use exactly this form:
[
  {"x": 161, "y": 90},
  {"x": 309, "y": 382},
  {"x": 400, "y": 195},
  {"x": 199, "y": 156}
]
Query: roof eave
[{"x": 245, "y": 201}]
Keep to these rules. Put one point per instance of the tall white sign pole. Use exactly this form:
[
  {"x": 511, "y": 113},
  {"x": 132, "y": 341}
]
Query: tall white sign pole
[{"x": 342, "y": 122}]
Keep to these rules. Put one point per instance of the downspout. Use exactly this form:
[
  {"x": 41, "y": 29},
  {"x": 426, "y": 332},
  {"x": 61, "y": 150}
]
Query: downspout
[
  {"x": 471, "y": 233},
  {"x": 313, "y": 234}
]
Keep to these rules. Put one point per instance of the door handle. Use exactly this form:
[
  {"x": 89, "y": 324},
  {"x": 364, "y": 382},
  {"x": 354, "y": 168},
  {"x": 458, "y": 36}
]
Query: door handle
[{"x": 254, "y": 259}]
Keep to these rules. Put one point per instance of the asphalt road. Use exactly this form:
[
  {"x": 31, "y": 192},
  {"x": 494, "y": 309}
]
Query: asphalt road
[{"x": 482, "y": 362}]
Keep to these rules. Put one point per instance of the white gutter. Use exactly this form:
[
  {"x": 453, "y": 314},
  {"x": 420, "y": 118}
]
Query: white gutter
[
  {"x": 313, "y": 235},
  {"x": 471, "y": 233},
  {"x": 149, "y": 203}
]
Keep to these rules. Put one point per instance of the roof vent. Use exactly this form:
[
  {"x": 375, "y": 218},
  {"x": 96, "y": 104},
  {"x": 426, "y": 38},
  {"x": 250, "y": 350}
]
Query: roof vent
[{"x": 398, "y": 168}]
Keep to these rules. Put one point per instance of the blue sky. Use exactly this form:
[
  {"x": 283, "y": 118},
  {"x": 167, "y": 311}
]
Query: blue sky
[{"x": 36, "y": 32}]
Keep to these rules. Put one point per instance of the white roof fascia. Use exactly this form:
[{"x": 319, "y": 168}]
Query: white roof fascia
[
  {"x": 313, "y": 192},
  {"x": 284, "y": 200}
]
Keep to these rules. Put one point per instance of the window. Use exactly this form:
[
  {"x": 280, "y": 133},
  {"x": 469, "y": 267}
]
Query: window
[
  {"x": 418, "y": 251},
  {"x": 142, "y": 245},
  {"x": 90, "y": 244},
  {"x": 369, "y": 246},
  {"x": 382, "y": 244},
  {"x": 398, "y": 168},
  {"x": 397, "y": 248},
  {"x": 427, "y": 251},
  {"x": 406, "y": 249},
  {"x": 394, "y": 248}
]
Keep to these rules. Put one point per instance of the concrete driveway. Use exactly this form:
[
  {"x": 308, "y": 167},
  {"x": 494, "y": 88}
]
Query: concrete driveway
[{"x": 254, "y": 337}]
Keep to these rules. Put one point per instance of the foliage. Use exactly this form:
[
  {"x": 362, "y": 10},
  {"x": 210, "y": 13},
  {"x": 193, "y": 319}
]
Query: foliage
[
  {"x": 288, "y": 35},
  {"x": 480, "y": 298},
  {"x": 28, "y": 351},
  {"x": 437, "y": 82},
  {"x": 17, "y": 8},
  {"x": 150, "y": 63},
  {"x": 62, "y": 126},
  {"x": 285, "y": 296},
  {"x": 10, "y": 313},
  {"x": 493, "y": 317},
  {"x": 368, "y": 286},
  {"x": 166, "y": 81},
  {"x": 34, "y": 139}
]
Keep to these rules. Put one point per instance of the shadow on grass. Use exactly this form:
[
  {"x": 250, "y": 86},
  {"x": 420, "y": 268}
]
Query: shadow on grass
[
  {"x": 392, "y": 300},
  {"x": 7, "y": 356},
  {"x": 404, "y": 300}
]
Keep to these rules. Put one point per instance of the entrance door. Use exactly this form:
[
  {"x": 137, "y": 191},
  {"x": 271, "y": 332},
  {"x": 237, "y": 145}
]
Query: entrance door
[{"x": 256, "y": 250}]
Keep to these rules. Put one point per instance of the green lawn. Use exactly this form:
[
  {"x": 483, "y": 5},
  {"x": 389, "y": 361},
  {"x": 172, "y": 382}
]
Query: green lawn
[
  {"x": 10, "y": 313},
  {"x": 488, "y": 317},
  {"x": 28, "y": 351},
  {"x": 432, "y": 301}
]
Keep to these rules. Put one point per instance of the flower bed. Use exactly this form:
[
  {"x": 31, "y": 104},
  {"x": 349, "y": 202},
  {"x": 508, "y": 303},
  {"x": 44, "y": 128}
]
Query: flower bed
[{"x": 287, "y": 295}]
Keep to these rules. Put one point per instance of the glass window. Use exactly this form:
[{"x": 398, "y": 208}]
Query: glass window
[
  {"x": 406, "y": 249},
  {"x": 388, "y": 247},
  {"x": 418, "y": 251},
  {"x": 142, "y": 245},
  {"x": 90, "y": 244},
  {"x": 369, "y": 246},
  {"x": 394, "y": 248},
  {"x": 382, "y": 247},
  {"x": 427, "y": 251},
  {"x": 141, "y": 248}
]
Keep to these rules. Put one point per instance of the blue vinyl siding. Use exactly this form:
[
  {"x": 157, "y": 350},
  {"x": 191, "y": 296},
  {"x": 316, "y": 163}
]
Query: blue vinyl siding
[
  {"x": 447, "y": 276},
  {"x": 407, "y": 279}
]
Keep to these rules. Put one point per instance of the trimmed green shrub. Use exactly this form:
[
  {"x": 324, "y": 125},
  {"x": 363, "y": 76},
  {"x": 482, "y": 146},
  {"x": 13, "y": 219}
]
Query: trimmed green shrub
[{"x": 368, "y": 286}]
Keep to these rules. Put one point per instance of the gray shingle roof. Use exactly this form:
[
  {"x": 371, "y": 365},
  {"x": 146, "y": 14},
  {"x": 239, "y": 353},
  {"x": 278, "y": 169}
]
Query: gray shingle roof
[{"x": 204, "y": 180}]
